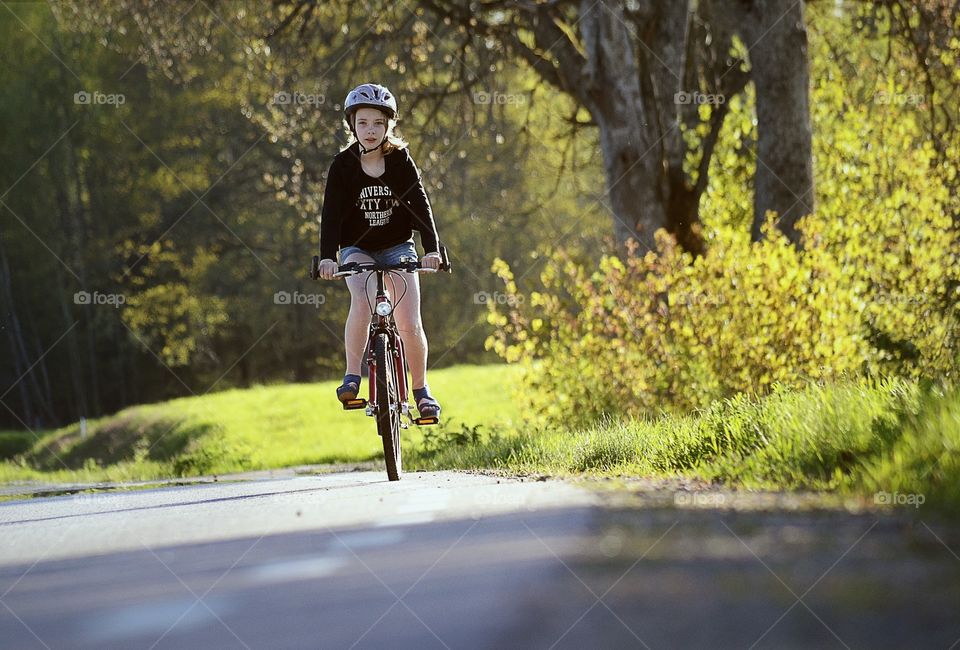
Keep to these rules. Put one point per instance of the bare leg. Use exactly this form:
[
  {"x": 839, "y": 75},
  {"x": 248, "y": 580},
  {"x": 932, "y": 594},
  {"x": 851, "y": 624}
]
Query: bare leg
[
  {"x": 358, "y": 320},
  {"x": 410, "y": 325}
]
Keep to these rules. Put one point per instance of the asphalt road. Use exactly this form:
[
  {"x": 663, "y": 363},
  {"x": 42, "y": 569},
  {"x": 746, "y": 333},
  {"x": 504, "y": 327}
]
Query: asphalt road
[{"x": 451, "y": 560}]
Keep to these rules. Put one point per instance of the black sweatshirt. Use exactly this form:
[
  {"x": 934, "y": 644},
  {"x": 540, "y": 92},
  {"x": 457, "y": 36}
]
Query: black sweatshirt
[{"x": 374, "y": 213}]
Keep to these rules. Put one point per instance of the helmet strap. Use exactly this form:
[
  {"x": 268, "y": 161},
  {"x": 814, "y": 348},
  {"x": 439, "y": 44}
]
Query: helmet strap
[{"x": 364, "y": 150}]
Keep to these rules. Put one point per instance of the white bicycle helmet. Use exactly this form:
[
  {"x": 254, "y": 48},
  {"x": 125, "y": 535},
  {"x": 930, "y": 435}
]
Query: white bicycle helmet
[{"x": 370, "y": 96}]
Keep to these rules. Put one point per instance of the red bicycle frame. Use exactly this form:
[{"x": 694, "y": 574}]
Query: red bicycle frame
[
  {"x": 383, "y": 324},
  {"x": 399, "y": 362}
]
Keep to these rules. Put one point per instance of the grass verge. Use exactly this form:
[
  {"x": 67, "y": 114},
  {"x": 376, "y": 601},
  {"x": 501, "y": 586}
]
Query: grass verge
[
  {"x": 245, "y": 429},
  {"x": 890, "y": 441}
]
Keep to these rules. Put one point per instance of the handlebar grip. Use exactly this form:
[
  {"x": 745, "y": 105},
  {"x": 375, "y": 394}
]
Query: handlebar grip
[{"x": 444, "y": 260}]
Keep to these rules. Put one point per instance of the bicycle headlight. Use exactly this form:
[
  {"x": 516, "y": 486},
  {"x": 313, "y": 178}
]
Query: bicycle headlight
[{"x": 384, "y": 308}]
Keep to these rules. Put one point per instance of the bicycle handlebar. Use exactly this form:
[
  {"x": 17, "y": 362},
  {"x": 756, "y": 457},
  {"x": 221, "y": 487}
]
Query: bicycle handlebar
[{"x": 352, "y": 268}]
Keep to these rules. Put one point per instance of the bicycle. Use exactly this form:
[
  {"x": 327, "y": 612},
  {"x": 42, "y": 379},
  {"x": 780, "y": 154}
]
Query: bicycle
[{"x": 387, "y": 382}]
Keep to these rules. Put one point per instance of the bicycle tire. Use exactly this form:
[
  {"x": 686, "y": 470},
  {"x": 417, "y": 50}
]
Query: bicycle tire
[{"x": 388, "y": 405}]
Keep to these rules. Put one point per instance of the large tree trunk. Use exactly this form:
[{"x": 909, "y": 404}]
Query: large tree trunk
[
  {"x": 626, "y": 62},
  {"x": 777, "y": 40},
  {"x": 627, "y": 70},
  {"x": 662, "y": 33},
  {"x": 629, "y": 90},
  {"x": 629, "y": 142}
]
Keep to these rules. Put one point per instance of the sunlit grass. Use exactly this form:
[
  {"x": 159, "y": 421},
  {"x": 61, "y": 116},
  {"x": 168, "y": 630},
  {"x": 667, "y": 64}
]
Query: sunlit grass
[
  {"x": 857, "y": 437},
  {"x": 860, "y": 437},
  {"x": 247, "y": 429}
]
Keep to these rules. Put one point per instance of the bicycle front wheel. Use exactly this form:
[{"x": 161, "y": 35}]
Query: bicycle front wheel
[{"x": 388, "y": 405}]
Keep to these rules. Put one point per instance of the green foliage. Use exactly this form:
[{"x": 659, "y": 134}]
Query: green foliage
[
  {"x": 197, "y": 199},
  {"x": 671, "y": 332},
  {"x": 174, "y": 322},
  {"x": 260, "y": 428},
  {"x": 447, "y": 434},
  {"x": 14, "y": 442},
  {"x": 925, "y": 458},
  {"x": 874, "y": 290},
  {"x": 862, "y": 438},
  {"x": 814, "y": 438},
  {"x": 215, "y": 453}
]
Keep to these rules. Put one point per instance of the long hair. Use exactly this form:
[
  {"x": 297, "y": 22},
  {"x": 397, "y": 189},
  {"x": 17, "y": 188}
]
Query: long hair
[{"x": 393, "y": 142}]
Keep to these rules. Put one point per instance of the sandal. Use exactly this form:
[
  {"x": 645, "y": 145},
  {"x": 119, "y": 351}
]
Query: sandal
[
  {"x": 428, "y": 407},
  {"x": 349, "y": 388}
]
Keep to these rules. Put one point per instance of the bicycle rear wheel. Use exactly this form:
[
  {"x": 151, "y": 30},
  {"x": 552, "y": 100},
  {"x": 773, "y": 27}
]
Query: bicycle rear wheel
[{"x": 388, "y": 405}]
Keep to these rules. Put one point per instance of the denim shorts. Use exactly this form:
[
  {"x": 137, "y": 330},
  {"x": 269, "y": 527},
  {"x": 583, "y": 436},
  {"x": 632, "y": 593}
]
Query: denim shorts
[{"x": 390, "y": 255}]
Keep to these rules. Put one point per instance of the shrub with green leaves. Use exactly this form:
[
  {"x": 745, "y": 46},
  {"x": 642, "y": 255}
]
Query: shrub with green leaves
[
  {"x": 873, "y": 290},
  {"x": 670, "y": 332}
]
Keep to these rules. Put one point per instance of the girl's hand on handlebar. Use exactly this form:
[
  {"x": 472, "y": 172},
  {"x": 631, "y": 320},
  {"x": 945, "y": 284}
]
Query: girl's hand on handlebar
[
  {"x": 430, "y": 261},
  {"x": 326, "y": 269}
]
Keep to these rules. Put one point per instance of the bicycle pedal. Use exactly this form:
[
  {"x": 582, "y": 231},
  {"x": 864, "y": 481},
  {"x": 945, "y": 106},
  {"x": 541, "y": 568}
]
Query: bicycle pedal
[
  {"x": 426, "y": 421},
  {"x": 353, "y": 404}
]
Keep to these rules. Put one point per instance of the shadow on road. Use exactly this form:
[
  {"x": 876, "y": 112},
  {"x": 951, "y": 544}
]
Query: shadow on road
[{"x": 564, "y": 578}]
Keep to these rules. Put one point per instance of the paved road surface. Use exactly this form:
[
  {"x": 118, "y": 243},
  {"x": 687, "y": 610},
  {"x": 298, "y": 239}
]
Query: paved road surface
[{"x": 463, "y": 561}]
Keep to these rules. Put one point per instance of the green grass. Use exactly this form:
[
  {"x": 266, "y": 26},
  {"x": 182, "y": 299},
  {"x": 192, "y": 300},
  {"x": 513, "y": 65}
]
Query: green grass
[
  {"x": 15, "y": 442},
  {"x": 256, "y": 428},
  {"x": 861, "y": 437}
]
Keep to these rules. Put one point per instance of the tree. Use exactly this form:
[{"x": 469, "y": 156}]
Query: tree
[
  {"x": 648, "y": 74},
  {"x": 642, "y": 70},
  {"x": 109, "y": 201},
  {"x": 780, "y": 72}
]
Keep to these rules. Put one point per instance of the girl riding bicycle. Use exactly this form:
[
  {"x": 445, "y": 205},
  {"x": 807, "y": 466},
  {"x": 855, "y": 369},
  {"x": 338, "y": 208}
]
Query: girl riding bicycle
[{"x": 373, "y": 201}]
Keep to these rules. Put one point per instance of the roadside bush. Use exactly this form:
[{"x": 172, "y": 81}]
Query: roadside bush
[
  {"x": 873, "y": 290},
  {"x": 670, "y": 332}
]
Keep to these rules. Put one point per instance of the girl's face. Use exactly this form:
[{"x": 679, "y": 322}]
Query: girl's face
[{"x": 371, "y": 127}]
